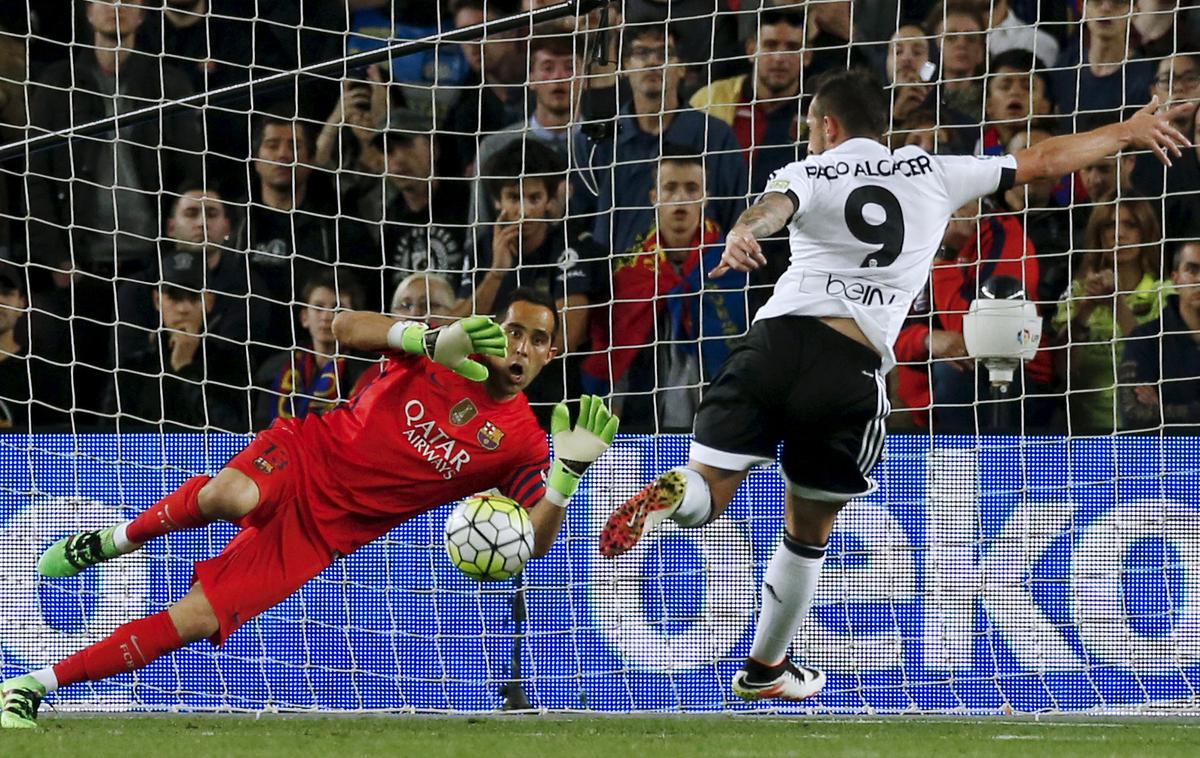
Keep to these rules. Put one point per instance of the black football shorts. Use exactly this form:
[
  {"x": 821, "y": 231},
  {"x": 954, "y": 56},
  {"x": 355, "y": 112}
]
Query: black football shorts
[{"x": 796, "y": 381}]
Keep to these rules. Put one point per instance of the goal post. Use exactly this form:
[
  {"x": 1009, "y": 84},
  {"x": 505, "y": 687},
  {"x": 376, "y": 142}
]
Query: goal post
[{"x": 1009, "y": 562}]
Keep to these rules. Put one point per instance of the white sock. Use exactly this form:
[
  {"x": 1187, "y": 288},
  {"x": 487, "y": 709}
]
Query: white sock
[
  {"x": 696, "y": 508},
  {"x": 46, "y": 678},
  {"x": 121, "y": 539},
  {"x": 787, "y": 593}
]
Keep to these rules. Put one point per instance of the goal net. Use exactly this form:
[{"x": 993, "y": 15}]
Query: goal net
[{"x": 191, "y": 188}]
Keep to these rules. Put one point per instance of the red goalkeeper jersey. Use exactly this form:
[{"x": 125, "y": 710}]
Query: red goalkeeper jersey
[{"x": 417, "y": 437}]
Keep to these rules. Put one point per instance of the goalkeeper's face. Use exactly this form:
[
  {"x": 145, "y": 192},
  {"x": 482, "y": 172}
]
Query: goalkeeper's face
[{"x": 530, "y": 331}]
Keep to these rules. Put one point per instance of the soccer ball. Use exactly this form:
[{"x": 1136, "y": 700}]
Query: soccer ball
[{"x": 489, "y": 537}]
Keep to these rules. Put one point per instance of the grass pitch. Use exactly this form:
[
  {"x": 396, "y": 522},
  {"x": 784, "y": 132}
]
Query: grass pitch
[{"x": 606, "y": 737}]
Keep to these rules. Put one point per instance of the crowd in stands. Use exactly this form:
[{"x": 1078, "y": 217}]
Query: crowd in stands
[{"x": 182, "y": 272}]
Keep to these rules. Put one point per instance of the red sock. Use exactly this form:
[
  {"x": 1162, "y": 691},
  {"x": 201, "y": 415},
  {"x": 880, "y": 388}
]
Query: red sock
[
  {"x": 130, "y": 647},
  {"x": 177, "y": 511}
]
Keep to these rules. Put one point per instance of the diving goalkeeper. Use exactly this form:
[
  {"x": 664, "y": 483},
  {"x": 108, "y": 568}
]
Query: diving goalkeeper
[{"x": 436, "y": 426}]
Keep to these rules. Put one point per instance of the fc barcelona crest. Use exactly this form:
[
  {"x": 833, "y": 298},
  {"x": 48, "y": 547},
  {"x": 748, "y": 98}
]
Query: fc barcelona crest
[
  {"x": 489, "y": 436},
  {"x": 462, "y": 412}
]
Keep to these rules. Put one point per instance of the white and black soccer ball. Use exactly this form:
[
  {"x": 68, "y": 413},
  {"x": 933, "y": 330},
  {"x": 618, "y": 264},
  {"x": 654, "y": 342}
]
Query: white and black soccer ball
[{"x": 489, "y": 537}]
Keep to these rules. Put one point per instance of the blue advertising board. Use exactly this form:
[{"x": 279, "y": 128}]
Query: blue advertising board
[{"x": 987, "y": 575}]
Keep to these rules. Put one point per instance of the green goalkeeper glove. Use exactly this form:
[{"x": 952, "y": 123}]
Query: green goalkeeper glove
[
  {"x": 450, "y": 345},
  {"x": 576, "y": 449}
]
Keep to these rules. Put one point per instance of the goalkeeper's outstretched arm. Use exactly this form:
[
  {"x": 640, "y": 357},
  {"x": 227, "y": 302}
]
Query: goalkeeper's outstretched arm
[
  {"x": 448, "y": 345},
  {"x": 575, "y": 448},
  {"x": 1147, "y": 129}
]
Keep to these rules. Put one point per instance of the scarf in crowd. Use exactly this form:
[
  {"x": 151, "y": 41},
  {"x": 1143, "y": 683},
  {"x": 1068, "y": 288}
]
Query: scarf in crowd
[
  {"x": 304, "y": 388},
  {"x": 645, "y": 284}
]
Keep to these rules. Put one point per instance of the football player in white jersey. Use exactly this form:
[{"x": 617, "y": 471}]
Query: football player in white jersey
[{"x": 864, "y": 224}]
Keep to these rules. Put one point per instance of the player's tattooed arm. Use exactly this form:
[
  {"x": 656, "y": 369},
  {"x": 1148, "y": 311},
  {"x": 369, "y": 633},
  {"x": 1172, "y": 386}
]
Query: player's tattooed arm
[{"x": 767, "y": 216}]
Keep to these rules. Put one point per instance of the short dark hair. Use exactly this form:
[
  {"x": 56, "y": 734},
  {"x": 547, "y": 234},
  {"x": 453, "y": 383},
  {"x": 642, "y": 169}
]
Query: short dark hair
[
  {"x": 554, "y": 44},
  {"x": 529, "y": 295},
  {"x": 1017, "y": 58},
  {"x": 630, "y": 33},
  {"x": 525, "y": 157},
  {"x": 343, "y": 286},
  {"x": 1177, "y": 255},
  {"x": 673, "y": 152},
  {"x": 856, "y": 99},
  {"x": 192, "y": 185},
  {"x": 773, "y": 16},
  {"x": 279, "y": 119},
  {"x": 944, "y": 10},
  {"x": 10, "y": 284}
]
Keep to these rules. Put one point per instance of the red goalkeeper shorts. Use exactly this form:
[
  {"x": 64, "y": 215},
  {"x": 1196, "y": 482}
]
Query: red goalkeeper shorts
[{"x": 279, "y": 548}]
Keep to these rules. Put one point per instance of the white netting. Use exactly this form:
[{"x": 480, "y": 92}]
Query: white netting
[{"x": 179, "y": 276}]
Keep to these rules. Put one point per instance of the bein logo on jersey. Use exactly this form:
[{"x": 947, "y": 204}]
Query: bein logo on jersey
[
  {"x": 860, "y": 291},
  {"x": 442, "y": 451}
]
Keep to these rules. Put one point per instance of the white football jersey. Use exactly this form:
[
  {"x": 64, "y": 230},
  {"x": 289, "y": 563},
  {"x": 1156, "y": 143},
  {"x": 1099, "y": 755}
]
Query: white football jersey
[{"x": 868, "y": 222}]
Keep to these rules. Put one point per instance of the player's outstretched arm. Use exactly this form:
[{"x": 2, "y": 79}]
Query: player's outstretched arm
[
  {"x": 449, "y": 345},
  {"x": 575, "y": 448},
  {"x": 767, "y": 216},
  {"x": 1147, "y": 129}
]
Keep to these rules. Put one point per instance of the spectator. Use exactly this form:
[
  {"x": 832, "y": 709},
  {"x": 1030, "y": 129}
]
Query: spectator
[
  {"x": 908, "y": 52},
  {"x": 1106, "y": 177},
  {"x": 94, "y": 203},
  {"x": 1103, "y": 69},
  {"x": 424, "y": 297},
  {"x": 1115, "y": 288},
  {"x": 764, "y": 110},
  {"x": 554, "y": 63},
  {"x": 312, "y": 378},
  {"x": 763, "y": 107},
  {"x": 33, "y": 390},
  {"x": 617, "y": 174},
  {"x": 1177, "y": 79},
  {"x": 1047, "y": 223},
  {"x": 425, "y": 219},
  {"x": 1114, "y": 175},
  {"x": 1160, "y": 373},
  {"x": 490, "y": 99},
  {"x": 183, "y": 377},
  {"x": 530, "y": 246},
  {"x": 958, "y": 28},
  {"x": 706, "y": 32},
  {"x": 200, "y": 224},
  {"x": 420, "y": 297},
  {"x": 1156, "y": 30},
  {"x": 1015, "y": 92},
  {"x": 834, "y": 32},
  {"x": 292, "y": 227},
  {"x": 348, "y": 141},
  {"x": 661, "y": 297},
  {"x": 207, "y": 43},
  {"x": 1183, "y": 189},
  {"x": 1009, "y": 32},
  {"x": 923, "y": 129},
  {"x": 13, "y": 61},
  {"x": 977, "y": 253},
  {"x": 906, "y": 62}
]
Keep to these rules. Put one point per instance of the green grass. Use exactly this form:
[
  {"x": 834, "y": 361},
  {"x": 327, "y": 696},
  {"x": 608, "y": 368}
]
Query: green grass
[{"x": 562, "y": 736}]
